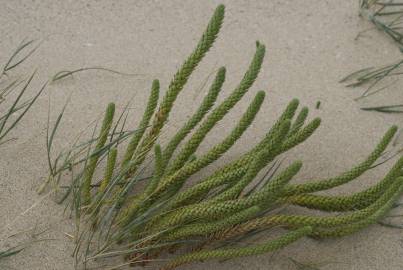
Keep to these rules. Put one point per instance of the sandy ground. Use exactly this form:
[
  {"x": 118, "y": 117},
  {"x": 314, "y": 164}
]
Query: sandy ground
[{"x": 310, "y": 46}]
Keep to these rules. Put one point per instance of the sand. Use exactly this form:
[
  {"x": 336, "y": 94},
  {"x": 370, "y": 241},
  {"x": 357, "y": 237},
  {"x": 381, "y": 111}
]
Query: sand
[{"x": 310, "y": 45}]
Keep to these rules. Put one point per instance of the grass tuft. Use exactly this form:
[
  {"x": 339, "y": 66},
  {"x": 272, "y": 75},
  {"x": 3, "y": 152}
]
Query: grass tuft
[{"x": 13, "y": 107}]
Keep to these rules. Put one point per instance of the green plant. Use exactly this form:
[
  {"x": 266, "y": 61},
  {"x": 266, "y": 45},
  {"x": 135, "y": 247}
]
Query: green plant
[
  {"x": 125, "y": 213},
  {"x": 387, "y": 17},
  {"x": 15, "y": 111},
  {"x": 13, "y": 108}
]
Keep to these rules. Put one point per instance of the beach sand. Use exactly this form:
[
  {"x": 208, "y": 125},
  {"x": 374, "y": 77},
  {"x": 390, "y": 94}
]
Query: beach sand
[{"x": 310, "y": 46}]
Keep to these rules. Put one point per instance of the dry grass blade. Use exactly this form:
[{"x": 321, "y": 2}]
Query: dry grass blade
[
  {"x": 387, "y": 16},
  {"x": 373, "y": 77},
  {"x": 14, "y": 250},
  {"x": 66, "y": 73},
  {"x": 385, "y": 109},
  {"x": 309, "y": 265},
  {"x": 15, "y": 109},
  {"x": 11, "y": 251},
  {"x": 20, "y": 55},
  {"x": 303, "y": 266}
]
